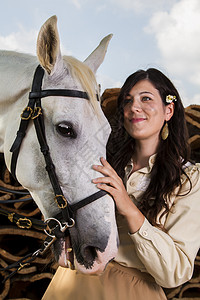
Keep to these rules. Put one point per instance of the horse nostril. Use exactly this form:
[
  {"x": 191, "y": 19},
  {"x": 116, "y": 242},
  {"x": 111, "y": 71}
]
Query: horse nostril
[{"x": 90, "y": 253}]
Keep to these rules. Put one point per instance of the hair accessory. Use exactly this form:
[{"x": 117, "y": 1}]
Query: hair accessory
[
  {"x": 170, "y": 98},
  {"x": 165, "y": 132}
]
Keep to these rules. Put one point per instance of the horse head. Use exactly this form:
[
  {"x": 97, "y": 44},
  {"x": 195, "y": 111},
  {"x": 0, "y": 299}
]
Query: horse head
[{"x": 76, "y": 132}]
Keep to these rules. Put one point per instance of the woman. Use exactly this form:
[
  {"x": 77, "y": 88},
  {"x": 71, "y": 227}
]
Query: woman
[{"x": 158, "y": 211}]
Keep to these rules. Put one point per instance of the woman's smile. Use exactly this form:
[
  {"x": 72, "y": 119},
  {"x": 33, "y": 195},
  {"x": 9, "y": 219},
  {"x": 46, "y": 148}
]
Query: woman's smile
[{"x": 137, "y": 120}]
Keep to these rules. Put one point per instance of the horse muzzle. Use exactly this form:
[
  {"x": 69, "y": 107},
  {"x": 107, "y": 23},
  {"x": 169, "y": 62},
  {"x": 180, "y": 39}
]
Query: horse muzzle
[{"x": 91, "y": 258}]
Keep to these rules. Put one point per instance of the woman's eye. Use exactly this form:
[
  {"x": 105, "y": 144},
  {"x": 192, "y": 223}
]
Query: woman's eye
[
  {"x": 128, "y": 100},
  {"x": 146, "y": 98},
  {"x": 66, "y": 130}
]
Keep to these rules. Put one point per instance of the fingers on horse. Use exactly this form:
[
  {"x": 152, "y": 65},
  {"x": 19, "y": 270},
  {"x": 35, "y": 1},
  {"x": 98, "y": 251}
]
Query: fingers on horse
[
  {"x": 105, "y": 169},
  {"x": 109, "y": 189},
  {"x": 106, "y": 180},
  {"x": 107, "y": 165}
]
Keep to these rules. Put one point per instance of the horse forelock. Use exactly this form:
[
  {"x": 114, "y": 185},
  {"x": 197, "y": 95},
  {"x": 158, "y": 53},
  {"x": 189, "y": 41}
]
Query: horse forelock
[{"x": 81, "y": 72}]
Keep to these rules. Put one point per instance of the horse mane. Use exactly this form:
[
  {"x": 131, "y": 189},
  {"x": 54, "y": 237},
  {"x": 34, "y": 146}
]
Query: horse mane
[{"x": 85, "y": 76}]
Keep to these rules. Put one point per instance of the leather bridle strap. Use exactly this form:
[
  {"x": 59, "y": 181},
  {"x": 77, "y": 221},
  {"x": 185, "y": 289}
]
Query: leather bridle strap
[
  {"x": 60, "y": 92},
  {"x": 26, "y": 116},
  {"x": 50, "y": 168},
  {"x": 74, "y": 207}
]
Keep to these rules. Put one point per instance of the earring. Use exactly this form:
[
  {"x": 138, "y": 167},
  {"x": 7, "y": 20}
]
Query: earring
[{"x": 165, "y": 132}]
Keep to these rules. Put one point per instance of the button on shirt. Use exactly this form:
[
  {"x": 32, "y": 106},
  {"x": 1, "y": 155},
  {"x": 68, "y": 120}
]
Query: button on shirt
[{"x": 167, "y": 256}]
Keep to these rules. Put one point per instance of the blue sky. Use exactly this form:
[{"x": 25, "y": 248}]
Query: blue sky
[{"x": 164, "y": 34}]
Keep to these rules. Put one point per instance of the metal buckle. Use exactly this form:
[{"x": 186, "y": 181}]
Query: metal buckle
[
  {"x": 45, "y": 246},
  {"x": 27, "y": 224},
  {"x": 37, "y": 112},
  {"x": 27, "y": 113},
  {"x": 62, "y": 228},
  {"x": 61, "y": 205}
]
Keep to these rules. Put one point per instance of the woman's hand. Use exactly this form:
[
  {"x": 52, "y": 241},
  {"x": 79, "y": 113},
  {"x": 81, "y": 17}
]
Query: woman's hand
[{"x": 113, "y": 184}]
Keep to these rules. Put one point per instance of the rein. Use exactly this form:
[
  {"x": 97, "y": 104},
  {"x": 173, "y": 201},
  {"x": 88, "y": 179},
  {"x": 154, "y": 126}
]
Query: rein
[{"x": 59, "y": 224}]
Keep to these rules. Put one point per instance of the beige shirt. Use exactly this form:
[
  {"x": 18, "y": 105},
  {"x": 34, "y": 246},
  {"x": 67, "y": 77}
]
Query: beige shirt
[{"x": 168, "y": 257}]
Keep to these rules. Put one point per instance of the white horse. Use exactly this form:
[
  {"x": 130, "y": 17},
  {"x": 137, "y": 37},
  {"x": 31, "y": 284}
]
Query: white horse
[{"x": 76, "y": 132}]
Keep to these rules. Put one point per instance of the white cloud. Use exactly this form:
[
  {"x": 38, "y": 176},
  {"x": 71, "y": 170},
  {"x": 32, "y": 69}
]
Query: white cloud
[
  {"x": 178, "y": 38},
  {"x": 22, "y": 41}
]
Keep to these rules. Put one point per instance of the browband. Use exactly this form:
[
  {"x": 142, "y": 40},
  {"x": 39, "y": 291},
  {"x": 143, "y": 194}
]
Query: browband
[{"x": 60, "y": 92}]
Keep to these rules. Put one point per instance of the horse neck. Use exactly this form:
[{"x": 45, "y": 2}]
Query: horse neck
[{"x": 16, "y": 72}]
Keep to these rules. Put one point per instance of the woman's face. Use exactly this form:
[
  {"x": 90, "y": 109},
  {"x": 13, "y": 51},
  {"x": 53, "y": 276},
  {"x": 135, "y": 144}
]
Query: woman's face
[{"x": 144, "y": 112}]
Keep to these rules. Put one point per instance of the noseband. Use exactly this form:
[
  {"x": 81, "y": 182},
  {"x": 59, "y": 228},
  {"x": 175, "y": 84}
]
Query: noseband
[{"x": 59, "y": 223}]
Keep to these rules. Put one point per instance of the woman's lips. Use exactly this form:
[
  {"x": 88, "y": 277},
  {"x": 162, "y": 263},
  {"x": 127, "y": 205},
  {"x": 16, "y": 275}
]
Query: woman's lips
[{"x": 137, "y": 120}]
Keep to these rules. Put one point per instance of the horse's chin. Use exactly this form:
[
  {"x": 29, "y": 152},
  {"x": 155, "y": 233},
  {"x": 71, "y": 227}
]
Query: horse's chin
[
  {"x": 98, "y": 267},
  {"x": 94, "y": 262}
]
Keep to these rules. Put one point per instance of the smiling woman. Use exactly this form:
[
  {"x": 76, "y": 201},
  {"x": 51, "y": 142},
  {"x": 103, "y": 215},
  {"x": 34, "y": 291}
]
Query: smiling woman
[{"x": 155, "y": 186}]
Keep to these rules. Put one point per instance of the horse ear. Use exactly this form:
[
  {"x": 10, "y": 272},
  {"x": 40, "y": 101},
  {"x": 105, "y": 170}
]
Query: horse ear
[
  {"x": 48, "y": 44},
  {"x": 95, "y": 59}
]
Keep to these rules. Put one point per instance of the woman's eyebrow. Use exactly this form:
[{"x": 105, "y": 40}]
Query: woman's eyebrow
[
  {"x": 141, "y": 93},
  {"x": 129, "y": 95},
  {"x": 145, "y": 92}
]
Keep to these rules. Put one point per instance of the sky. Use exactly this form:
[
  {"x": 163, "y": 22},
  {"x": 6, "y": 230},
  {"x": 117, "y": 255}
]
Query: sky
[{"x": 164, "y": 34}]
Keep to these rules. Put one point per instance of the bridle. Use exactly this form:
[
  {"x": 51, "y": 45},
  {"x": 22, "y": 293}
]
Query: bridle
[{"x": 60, "y": 223}]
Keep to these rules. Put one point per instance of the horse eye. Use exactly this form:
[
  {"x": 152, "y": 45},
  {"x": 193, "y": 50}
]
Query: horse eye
[{"x": 66, "y": 130}]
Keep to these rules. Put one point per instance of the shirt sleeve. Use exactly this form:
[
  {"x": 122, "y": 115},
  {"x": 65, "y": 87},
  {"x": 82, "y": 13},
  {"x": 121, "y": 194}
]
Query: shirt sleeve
[{"x": 169, "y": 257}]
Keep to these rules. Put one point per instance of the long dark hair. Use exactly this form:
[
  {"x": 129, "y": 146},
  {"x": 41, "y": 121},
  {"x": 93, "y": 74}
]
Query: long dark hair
[{"x": 172, "y": 153}]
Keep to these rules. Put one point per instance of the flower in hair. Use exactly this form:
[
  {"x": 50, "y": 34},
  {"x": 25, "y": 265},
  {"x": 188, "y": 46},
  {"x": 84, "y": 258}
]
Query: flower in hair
[{"x": 170, "y": 98}]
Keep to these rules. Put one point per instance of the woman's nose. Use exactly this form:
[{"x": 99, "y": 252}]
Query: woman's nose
[{"x": 136, "y": 106}]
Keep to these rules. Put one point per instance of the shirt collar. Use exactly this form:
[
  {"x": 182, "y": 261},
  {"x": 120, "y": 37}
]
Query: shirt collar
[{"x": 145, "y": 170}]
